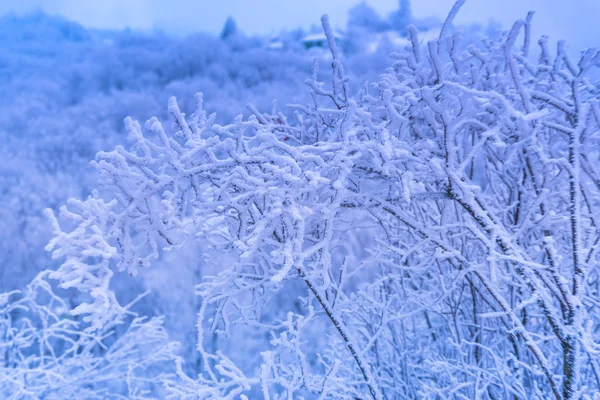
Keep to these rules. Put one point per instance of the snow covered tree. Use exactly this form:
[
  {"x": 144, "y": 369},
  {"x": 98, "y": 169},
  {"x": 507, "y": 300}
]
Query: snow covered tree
[
  {"x": 364, "y": 17},
  {"x": 434, "y": 236},
  {"x": 401, "y": 18}
]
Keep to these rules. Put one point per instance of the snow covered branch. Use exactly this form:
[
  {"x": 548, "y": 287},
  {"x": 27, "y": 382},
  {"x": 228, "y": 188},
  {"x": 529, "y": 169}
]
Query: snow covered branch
[{"x": 439, "y": 229}]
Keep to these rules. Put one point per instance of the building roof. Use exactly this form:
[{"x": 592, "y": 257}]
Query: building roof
[{"x": 320, "y": 37}]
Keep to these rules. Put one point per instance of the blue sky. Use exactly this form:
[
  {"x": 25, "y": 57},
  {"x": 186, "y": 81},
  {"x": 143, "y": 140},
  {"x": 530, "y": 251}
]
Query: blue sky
[{"x": 574, "y": 20}]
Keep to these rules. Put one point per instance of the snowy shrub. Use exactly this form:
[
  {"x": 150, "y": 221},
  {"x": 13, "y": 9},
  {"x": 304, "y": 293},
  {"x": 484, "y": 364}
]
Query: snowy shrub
[
  {"x": 434, "y": 236},
  {"x": 45, "y": 353}
]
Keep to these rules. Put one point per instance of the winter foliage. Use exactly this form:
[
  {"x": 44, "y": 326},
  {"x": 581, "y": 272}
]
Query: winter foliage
[
  {"x": 48, "y": 353},
  {"x": 430, "y": 234}
]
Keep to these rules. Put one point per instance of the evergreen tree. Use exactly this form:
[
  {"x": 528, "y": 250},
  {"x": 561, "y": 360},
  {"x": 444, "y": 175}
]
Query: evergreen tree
[{"x": 229, "y": 29}]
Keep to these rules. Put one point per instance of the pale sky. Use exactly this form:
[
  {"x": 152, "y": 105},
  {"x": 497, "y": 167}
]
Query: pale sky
[{"x": 577, "y": 21}]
